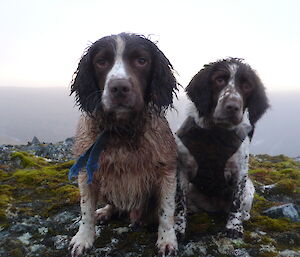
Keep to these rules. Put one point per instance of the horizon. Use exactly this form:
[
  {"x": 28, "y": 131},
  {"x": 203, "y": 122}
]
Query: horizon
[{"x": 51, "y": 115}]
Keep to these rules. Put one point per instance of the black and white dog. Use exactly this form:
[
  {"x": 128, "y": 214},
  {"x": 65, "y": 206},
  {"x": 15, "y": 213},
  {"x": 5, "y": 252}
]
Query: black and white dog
[{"x": 213, "y": 142}]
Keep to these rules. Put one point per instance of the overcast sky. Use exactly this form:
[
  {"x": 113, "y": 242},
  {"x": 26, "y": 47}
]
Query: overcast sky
[{"x": 41, "y": 41}]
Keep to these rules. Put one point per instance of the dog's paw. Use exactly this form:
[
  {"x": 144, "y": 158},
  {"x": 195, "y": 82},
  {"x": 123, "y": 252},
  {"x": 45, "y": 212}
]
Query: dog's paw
[
  {"x": 167, "y": 244},
  {"x": 167, "y": 249},
  {"x": 104, "y": 214},
  {"x": 234, "y": 233},
  {"x": 80, "y": 243}
]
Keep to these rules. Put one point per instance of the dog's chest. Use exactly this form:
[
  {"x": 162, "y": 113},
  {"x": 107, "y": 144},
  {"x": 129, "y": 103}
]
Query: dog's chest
[
  {"x": 130, "y": 176},
  {"x": 211, "y": 148}
]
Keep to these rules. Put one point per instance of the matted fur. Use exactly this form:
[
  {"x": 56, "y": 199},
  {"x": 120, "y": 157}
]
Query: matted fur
[
  {"x": 123, "y": 85},
  {"x": 139, "y": 170}
]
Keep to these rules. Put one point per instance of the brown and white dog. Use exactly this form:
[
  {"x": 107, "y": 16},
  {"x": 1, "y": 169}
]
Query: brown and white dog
[
  {"x": 228, "y": 99},
  {"x": 123, "y": 85}
]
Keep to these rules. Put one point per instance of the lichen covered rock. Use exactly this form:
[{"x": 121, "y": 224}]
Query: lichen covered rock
[{"x": 39, "y": 212}]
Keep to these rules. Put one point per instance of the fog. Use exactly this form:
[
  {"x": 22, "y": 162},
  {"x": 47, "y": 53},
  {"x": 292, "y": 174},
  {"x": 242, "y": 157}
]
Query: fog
[{"x": 50, "y": 115}]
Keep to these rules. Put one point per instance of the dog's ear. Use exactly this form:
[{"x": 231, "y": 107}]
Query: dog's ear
[
  {"x": 163, "y": 83},
  {"x": 84, "y": 84},
  {"x": 200, "y": 91},
  {"x": 258, "y": 102}
]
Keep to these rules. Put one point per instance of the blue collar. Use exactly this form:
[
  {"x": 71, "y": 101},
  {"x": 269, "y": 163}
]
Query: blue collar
[{"x": 90, "y": 158}]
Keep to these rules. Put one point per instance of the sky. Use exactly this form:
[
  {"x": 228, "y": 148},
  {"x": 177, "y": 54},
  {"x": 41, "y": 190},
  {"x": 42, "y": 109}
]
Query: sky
[{"x": 42, "y": 41}]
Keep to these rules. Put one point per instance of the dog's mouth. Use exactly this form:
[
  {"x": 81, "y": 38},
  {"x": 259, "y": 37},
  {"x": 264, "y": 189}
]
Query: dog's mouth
[
  {"x": 227, "y": 122},
  {"x": 122, "y": 112}
]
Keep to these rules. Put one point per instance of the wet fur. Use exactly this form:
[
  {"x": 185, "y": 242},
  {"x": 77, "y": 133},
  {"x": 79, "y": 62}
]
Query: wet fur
[{"x": 137, "y": 172}]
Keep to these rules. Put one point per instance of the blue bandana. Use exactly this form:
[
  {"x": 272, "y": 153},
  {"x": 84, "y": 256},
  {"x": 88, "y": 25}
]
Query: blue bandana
[{"x": 90, "y": 158}]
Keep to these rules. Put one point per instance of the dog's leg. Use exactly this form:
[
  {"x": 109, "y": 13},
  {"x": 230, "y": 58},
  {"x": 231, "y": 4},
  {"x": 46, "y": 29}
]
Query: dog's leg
[
  {"x": 85, "y": 236},
  {"x": 135, "y": 218},
  {"x": 180, "y": 204},
  {"x": 104, "y": 214},
  {"x": 242, "y": 197},
  {"x": 167, "y": 242},
  {"x": 240, "y": 208}
]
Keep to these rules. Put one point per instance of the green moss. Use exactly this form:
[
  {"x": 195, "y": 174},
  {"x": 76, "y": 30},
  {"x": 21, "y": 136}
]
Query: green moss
[
  {"x": 5, "y": 199},
  {"x": 287, "y": 186},
  {"x": 28, "y": 160},
  {"x": 279, "y": 170},
  {"x": 266, "y": 223},
  {"x": 70, "y": 193},
  {"x": 39, "y": 176},
  {"x": 41, "y": 182},
  {"x": 278, "y": 162},
  {"x": 260, "y": 203},
  {"x": 262, "y": 176},
  {"x": 200, "y": 223},
  {"x": 3, "y": 175},
  {"x": 290, "y": 173},
  {"x": 64, "y": 165}
]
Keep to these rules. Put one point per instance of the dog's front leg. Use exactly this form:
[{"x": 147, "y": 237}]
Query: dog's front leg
[
  {"x": 167, "y": 242},
  {"x": 240, "y": 208},
  {"x": 242, "y": 197},
  {"x": 85, "y": 236}
]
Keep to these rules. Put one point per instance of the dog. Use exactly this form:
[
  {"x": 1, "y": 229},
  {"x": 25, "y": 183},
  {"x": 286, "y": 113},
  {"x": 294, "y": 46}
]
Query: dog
[
  {"x": 123, "y": 85},
  {"x": 213, "y": 142}
]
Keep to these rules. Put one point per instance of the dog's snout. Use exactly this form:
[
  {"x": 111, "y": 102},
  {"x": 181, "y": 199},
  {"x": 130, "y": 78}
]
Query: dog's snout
[
  {"x": 232, "y": 107},
  {"x": 120, "y": 87}
]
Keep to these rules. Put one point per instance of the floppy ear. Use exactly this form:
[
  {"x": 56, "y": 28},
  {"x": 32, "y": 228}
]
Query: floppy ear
[
  {"x": 163, "y": 83},
  {"x": 258, "y": 102},
  {"x": 200, "y": 91},
  {"x": 84, "y": 85}
]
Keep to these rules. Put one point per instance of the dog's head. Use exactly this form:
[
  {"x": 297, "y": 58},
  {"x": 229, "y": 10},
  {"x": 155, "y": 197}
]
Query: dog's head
[
  {"x": 123, "y": 74},
  {"x": 222, "y": 90}
]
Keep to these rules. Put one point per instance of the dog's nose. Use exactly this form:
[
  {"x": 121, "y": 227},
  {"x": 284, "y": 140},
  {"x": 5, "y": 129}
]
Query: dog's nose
[
  {"x": 232, "y": 107},
  {"x": 119, "y": 87}
]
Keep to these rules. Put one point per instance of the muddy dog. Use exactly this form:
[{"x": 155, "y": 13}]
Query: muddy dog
[{"x": 123, "y": 85}]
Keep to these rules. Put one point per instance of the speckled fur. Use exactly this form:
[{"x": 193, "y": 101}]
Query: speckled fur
[
  {"x": 227, "y": 93},
  {"x": 236, "y": 172}
]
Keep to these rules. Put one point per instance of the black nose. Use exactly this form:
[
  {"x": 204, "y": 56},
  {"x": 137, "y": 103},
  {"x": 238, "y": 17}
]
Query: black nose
[
  {"x": 232, "y": 107},
  {"x": 119, "y": 87}
]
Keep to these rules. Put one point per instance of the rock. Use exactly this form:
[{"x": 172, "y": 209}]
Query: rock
[
  {"x": 41, "y": 212},
  {"x": 289, "y": 253},
  {"x": 60, "y": 241},
  {"x": 193, "y": 248},
  {"x": 70, "y": 141},
  {"x": 284, "y": 211},
  {"x": 25, "y": 238},
  {"x": 240, "y": 253},
  {"x": 35, "y": 141}
]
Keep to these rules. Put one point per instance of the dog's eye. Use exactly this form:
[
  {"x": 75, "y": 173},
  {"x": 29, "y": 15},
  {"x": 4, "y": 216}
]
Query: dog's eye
[
  {"x": 221, "y": 81},
  {"x": 102, "y": 63},
  {"x": 141, "y": 61},
  {"x": 246, "y": 87}
]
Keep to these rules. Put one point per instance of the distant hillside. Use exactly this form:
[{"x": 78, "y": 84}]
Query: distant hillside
[{"x": 49, "y": 114}]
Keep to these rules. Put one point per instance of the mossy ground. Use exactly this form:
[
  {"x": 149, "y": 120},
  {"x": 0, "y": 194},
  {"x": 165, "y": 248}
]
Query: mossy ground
[
  {"x": 38, "y": 181},
  {"x": 46, "y": 185}
]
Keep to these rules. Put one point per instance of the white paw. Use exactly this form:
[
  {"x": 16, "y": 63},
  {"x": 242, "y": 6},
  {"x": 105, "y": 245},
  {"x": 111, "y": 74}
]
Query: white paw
[
  {"x": 81, "y": 242},
  {"x": 104, "y": 214},
  {"x": 167, "y": 243}
]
